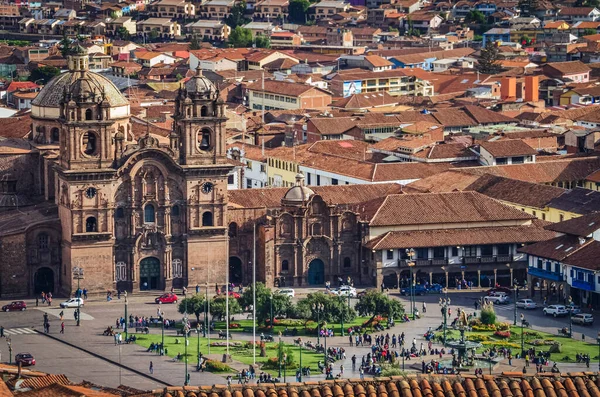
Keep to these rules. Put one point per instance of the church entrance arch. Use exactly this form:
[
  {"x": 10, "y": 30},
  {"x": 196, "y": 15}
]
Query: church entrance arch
[
  {"x": 43, "y": 280},
  {"x": 149, "y": 273},
  {"x": 316, "y": 272},
  {"x": 235, "y": 270}
]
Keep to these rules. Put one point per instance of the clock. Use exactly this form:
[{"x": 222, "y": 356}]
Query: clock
[
  {"x": 207, "y": 188},
  {"x": 90, "y": 192}
]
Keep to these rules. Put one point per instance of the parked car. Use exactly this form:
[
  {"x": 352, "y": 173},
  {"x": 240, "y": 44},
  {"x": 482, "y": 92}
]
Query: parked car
[
  {"x": 73, "y": 302},
  {"x": 556, "y": 310},
  {"x": 25, "y": 359},
  {"x": 498, "y": 298},
  {"x": 288, "y": 292},
  {"x": 526, "y": 304},
  {"x": 418, "y": 289},
  {"x": 167, "y": 298},
  {"x": 574, "y": 309},
  {"x": 345, "y": 290},
  {"x": 14, "y": 306},
  {"x": 583, "y": 319},
  {"x": 435, "y": 289},
  {"x": 506, "y": 290}
]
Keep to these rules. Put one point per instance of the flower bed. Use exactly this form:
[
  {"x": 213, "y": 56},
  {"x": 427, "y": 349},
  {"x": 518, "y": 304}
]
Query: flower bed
[
  {"x": 484, "y": 327},
  {"x": 235, "y": 325},
  {"x": 502, "y": 334},
  {"x": 503, "y": 326},
  {"x": 216, "y": 366},
  {"x": 541, "y": 342},
  {"x": 223, "y": 344},
  {"x": 500, "y": 343},
  {"x": 290, "y": 322},
  {"x": 477, "y": 338}
]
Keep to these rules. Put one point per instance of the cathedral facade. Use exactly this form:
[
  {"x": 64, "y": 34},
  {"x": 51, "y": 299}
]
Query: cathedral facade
[{"x": 129, "y": 214}]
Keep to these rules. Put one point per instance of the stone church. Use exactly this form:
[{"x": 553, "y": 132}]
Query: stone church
[{"x": 132, "y": 214}]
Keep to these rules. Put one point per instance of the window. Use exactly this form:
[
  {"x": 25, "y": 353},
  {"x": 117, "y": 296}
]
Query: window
[
  {"x": 207, "y": 219},
  {"x": 177, "y": 265},
  {"x": 233, "y": 229},
  {"x": 539, "y": 263},
  {"x": 518, "y": 160},
  {"x": 487, "y": 250},
  {"x": 454, "y": 251},
  {"x": 389, "y": 254},
  {"x": 334, "y": 181},
  {"x": 285, "y": 265},
  {"x": 121, "y": 271},
  {"x": 318, "y": 180},
  {"x": 561, "y": 217},
  {"x": 439, "y": 252},
  {"x": 549, "y": 266},
  {"x": 89, "y": 143},
  {"x": 230, "y": 179},
  {"x": 43, "y": 241},
  {"x": 347, "y": 262},
  {"x": 470, "y": 250},
  {"x": 91, "y": 225},
  {"x": 422, "y": 253},
  {"x": 204, "y": 139},
  {"x": 55, "y": 134},
  {"x": 89, "y": 115},
  {"x": 503, "y": 249},
  {"x": 501, "y": 161},
  {"x": 203, "y": 111},
  {"x": 149, "y": 215},
  {"x": 120, "y": 213}
]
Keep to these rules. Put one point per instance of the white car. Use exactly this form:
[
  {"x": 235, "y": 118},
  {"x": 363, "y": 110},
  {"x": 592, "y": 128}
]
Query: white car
[
  {"x": 583, "y": 319},
  {"x": 556, "y": 310},
  {"x": 574, "y": 309},
  {"x": 345, "y": 290},
  {"x": 73, "y": 302},
  {"x": 526, "y": 304},
  {"x": 288, "y": 292},
  {"x": 497, "y": 298}
]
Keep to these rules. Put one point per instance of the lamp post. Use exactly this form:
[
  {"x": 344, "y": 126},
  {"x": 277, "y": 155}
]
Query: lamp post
[
  {"x": 271, "y": 303},
  {"x": 570, "y": 317},
  {"x": 403, "y": 359},
  {"x": 205, "y": 328},
  {"x": 300, "y": 347},
  {"x": 342, "y": 314},
  {"x": 318, "y": 308},
  {"x": 598, "y": 339},
  {"x": 78, "y": 275},
  {"x": 198, "y": 352},
  {"x": 9, "y": 343},
  {"x": 207, "y": 321},
  {"x": 284, "y": 367},
  {"x": 185, "y": 334},
  {"x": 445, "y": 304},
  {"x": 162, "y": 329},
  {"x": 522, "y": 335},
  {"x": 411, "y": 254},
  {"x": 515, "y": 305},
  {"x": 280, "y": 355},
  {"x": 126, "y": 319},
  {"x": 325, "y": 340}
]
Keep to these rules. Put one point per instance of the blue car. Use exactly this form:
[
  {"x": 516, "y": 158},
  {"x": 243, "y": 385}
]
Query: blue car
[
  {"x": 435, "y": 289},
  {"x": 418, "y": 289}
]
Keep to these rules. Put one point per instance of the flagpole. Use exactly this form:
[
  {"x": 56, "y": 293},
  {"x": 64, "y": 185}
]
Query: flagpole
[{"x": 254, "y": 293}]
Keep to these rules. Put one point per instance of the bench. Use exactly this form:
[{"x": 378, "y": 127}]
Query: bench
[
  {"x": 460, "y": 370},
  {"x": 182, "y": 332},
  {"x": 143, "y": 330}
]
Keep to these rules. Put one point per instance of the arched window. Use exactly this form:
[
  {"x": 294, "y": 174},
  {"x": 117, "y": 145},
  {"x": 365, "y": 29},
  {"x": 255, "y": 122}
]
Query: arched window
[
  {"x": 177, "y": 268},
  {"x": 285, "y": 265},
  {"x": 120, "y": 213},
  {"x": 203, "y": 111},
  {"x": 233, "y": 229},
  {"x": 121, "y": 271},
  {"x": 91, "y": 225},
  {"x": 175, "y": 210},
  {"x": 55, "y": 135},
  {"x": 347, "y": 262},
  {"x": 207, "y": 219},
  {"x": 89, "y": 143},
  {"x": 149, "y": 215},
  {"x": 43, "y": 241},
  {"x": 204, "y": 139},
  {"x": 89, "y": 114}
]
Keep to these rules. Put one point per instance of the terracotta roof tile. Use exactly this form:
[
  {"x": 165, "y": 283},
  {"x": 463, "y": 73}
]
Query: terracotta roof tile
[
  {"x": 508, "y": 148},
  {"x": 571, "y": 67}
]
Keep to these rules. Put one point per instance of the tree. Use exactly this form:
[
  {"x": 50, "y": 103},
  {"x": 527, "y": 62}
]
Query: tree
[
  {"x": 475, "y": 16},
  {"x": 65, "y": 46},
  {"x": 589, "y": 32},
  {"x": 488, "y": 60},
  {"x": 123, "y": 33},
  {"x": 43, "y": 74},
  {"x": 263, "y": 42},
  {"x": 153, "y": 35},
  {"x": 334, "y": 308},
  {"x": 195, "y": 305},
  {"x": 488, "y": 315},
  {"x": 375, "y": 303},
  {"x": 297, "y": 11},
  {"x": 195, "y": 43},
  {"x": 237, "y": 16},
  {"x": 218, "y": 307},
  {"x": 240, "y": 37},
  {"x": 281, "y": 303}
]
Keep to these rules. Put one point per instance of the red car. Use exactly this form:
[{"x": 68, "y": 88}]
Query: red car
[
  {"x": 506, "y": 290},
  {"x": 25, "y": 359},
  {"x": 15, "y": 306},
  {"x": 166, "y": 298}
]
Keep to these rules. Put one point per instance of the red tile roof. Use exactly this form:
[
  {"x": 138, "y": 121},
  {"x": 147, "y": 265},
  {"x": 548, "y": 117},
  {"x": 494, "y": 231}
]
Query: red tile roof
[{"x": 508, "y": 148}]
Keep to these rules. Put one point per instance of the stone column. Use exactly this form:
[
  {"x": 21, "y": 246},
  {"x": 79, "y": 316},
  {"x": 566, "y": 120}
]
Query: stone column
[
  {"x": 462, "y": 275},
  {"x": 446, "y": 272},
  {"x": 495, "y": 277},
  {"x": 478, "y": 278},
  {"x": 511, "y": 277},
  {"x": 430, "y": 278}
]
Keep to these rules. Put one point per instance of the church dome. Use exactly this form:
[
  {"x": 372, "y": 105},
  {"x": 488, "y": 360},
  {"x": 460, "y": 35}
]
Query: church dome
[
  {"x": 199, "y": 84},
  {"x": 298, "y": 194},
  {"x": 79, "y": 83}
]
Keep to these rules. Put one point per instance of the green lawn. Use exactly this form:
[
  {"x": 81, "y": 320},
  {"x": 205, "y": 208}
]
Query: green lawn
[
  {"x": 241, "y": 353},
  {"x": 247, "y": 324},
  {"x": 570, "y": 347}
]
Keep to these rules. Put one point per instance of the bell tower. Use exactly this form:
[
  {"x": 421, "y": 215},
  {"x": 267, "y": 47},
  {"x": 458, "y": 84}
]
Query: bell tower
[{"x": 198, "y": 141}]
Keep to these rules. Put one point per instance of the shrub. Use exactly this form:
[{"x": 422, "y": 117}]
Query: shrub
[
  {"x": 216, "y": 366},
  {"x": 502, "y": 334},
  {"x": 484, "y": 327},
  {"x": 501, "y": 344},
  {"x": 478, "y": 338},
  {"x": 532, "y": 334},
  {"x": 290, "y": 322},
  {"x": 503, "y": 326},
  {"x": 474, "y": 321},
  {"x": 555, "y": 348},
  {"x": 235, "y": 325},
  {"x": 488, "y": 316}
]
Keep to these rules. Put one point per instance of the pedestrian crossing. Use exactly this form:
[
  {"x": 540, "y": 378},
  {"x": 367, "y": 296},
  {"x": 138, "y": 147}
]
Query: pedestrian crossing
[{"x": 19, "y": 331}]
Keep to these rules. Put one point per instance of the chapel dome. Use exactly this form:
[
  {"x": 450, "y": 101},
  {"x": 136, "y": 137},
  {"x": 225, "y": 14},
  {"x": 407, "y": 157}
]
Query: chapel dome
[
  {"x": 299, "y": 193},
  {"x": 199, "y": 84}
]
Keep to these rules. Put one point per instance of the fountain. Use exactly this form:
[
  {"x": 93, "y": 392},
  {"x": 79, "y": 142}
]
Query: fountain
[{"x": 463, "y": 347}]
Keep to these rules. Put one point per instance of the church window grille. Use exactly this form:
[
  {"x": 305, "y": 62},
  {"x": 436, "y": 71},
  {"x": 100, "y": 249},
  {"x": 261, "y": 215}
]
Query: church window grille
[
  {"x": 43, "y": 241},
  {"x": 347, "y": 262},
  {"x": 91, "y": 226},
  {"x": 149, "y": 215},
  {"x": 89, "y": 114},
  {"x": 175, "y": 210},
  {"x": 121, "y": 271},
  {"x": 285, "y": 265},
  {"x": 207, "y": 219},
  {"x": 177, "y": 268}
]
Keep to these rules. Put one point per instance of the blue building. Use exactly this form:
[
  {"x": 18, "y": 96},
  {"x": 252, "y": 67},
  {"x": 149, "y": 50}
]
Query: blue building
[{"x": 496, "y": 34}]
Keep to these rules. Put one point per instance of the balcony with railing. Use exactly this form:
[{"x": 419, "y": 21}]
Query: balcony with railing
[
  {"x": 466, "y": 260},
  {"x": 547, "y": 274},
  {"x": 584, "y": 285}
]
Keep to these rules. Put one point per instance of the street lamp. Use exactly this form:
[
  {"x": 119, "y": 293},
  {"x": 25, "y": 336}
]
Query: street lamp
[
  {"x": 162, "y": 329},
  {"x": 78, "y": 275},
  {"x": 516, "y": 289},
  {"x": 522, "y": 335},
  {"x": 198, "y": 334},
  {"x": 325, "y": 339},
  {"x": 411, "y": 254},
  {"x": 185, "y": 334},
  {"x": 284, "y": 367},
  {"x": 126, "y": 319},
  {"x": 206, "y": 317},
  {"x": 280, "y": 354},
  {"x": 342, "y": 314},
  {"x": 318, "y": 308},
  {"x": 445, "y": 305},
  {"x": 570, "y": 317},
  {"x": 300, "y": 347}
]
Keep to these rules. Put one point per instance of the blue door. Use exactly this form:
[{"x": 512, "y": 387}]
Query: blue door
[{"x": 316, "y": 272}]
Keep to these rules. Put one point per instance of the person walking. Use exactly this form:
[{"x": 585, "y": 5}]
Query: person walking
[
  {"x": 61, "y": 314},
  {"x": 151, "y": 368},
  {"x": 37, "y": 301},
  {"x": 1, "y": 331},
  {"x": 62, "y": 327},
  {"x": 85, "y": 291},
  {"x": 361, "y": 372}
]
